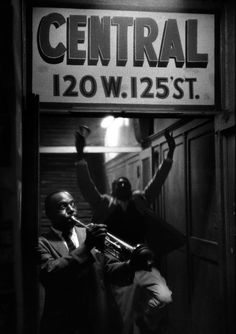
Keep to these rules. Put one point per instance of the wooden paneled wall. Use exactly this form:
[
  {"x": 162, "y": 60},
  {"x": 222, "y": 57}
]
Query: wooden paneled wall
[{"x": 187, "y": 202}]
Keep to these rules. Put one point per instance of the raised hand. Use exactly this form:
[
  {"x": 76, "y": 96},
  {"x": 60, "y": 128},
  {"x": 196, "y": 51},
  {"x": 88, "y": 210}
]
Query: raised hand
[
  {"x": 171, "y": 143},
  {"x": 80, "y": 139}
]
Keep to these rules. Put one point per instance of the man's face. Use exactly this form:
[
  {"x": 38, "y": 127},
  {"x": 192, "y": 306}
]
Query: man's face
[
  {"x": 123, "y": 189},
  {"x": 61, "y": 207}
]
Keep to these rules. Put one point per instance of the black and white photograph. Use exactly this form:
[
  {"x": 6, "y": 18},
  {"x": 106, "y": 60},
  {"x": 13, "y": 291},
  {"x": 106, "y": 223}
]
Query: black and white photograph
[{"x": 117, "y": 164}]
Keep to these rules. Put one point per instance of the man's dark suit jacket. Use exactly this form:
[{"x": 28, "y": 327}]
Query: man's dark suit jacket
[{"x": 77, "y": 292}]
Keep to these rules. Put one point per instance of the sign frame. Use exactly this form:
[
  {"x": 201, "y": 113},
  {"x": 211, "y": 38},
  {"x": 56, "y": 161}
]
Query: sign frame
[{"x": 132, "y": 110}]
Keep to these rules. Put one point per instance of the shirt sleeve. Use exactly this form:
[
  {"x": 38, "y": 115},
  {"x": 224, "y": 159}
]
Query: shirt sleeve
[
  {"x": 118, "y": 273},
  {"x": 61, "y": 269}
]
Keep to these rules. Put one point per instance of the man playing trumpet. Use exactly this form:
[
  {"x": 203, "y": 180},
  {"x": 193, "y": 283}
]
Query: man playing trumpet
[{"x": 76, "y": 273}]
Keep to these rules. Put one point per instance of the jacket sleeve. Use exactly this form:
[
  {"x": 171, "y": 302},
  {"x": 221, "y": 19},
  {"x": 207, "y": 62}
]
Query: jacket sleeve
[
  {"x": 55, "y": 269},
  {"x": 118, "y": 273},
  {"x": 86, "y": 184},
  {"x": 153, "y": 188}
]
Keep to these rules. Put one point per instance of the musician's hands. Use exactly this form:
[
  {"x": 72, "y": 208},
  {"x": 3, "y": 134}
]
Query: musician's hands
[
  {"x": 80, "y": 140},
  {"x": 142, "y": 259},
  {"x": 95, "y": 236},
  {"x": 171, "y": 143}
]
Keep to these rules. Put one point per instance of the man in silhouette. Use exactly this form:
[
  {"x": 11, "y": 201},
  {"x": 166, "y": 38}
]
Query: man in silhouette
[{"x": 128, "y": 215}]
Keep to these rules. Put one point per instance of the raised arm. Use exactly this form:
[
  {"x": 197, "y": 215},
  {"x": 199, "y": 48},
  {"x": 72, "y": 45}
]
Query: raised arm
[
  {"x": 84, "y": 180},
  {"x": 153, "y": 188}
]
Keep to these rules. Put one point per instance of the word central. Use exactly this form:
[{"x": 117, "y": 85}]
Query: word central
[{"x": 145, "y": 33}]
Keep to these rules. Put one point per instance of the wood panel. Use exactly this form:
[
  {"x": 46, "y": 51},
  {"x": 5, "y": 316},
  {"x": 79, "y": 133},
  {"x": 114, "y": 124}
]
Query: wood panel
[
  {"x": 173, "y": 210},
  {"x": 229, "y": 237},
  {"x": 176, "y": 273},
  {"x": 174, "y": 191},
  {"x": 204, "y": 275},
  {"x": 201, "y": 168},
  {"x": 188, "y": 202},
  {"x": 206, "y": 307}
]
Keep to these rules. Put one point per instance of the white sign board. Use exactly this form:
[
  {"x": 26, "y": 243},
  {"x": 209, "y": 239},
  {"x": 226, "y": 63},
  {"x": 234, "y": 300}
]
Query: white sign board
[{"x": 136, "y": 58}]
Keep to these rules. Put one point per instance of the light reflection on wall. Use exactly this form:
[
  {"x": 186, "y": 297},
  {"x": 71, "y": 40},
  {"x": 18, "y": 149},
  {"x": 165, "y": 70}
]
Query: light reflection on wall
[{"x": 119, "y": 133}]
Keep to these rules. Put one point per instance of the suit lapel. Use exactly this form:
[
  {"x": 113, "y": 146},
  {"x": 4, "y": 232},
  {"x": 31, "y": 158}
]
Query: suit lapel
[
  {"x": 56, "y": 242},
  {"x": 60, "y": 247}
]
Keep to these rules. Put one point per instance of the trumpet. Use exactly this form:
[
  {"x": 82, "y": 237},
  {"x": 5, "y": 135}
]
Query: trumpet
[{"x": 116, "y": 247}]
